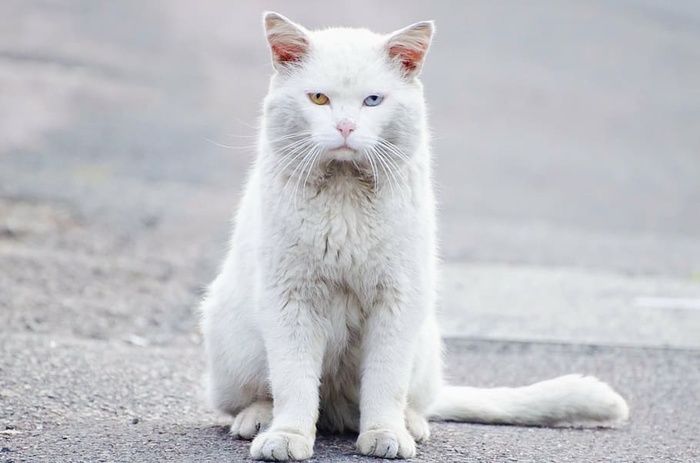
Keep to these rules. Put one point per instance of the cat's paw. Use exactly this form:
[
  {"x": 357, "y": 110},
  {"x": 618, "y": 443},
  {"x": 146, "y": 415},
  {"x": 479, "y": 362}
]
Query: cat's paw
[
  {"x": 252, "y": 419},
  {"x": 387, "y": 443},
  {"x": 417, "y": 426},
  {"x": 282, "y": 446}
]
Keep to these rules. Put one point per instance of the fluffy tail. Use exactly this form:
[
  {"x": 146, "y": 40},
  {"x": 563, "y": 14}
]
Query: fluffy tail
[{"x": 567, "y": 401}]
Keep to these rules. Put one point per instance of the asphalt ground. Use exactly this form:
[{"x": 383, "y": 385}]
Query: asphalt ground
[
  {"x": 85, "y": 400},
  {"x": 567, "y": 141}
]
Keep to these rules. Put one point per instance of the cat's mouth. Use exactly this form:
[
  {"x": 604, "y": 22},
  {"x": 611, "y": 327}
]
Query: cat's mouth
[{"x": 343, "y": 147}]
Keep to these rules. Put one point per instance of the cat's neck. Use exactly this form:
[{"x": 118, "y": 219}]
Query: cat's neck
[{"x": 335, "y": 175}]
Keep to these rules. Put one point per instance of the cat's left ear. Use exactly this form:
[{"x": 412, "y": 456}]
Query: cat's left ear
[
  {"x": 288, "y": 41},
  {"x": 408, "y": 47}
]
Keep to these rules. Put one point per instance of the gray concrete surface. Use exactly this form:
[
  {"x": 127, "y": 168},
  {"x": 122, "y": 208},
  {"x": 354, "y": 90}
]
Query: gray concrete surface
[
  {"x": 86, "y": 400},
  {"x": 567, "y": 140}
]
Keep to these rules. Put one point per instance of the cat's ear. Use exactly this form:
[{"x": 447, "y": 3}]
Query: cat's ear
[
  {"x": 408, "y": 47},
  {"x": 288, "y": 41}
]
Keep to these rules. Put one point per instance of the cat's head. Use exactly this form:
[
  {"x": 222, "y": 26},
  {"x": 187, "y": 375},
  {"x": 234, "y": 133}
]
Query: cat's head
[{"x": 346, "y": 94}]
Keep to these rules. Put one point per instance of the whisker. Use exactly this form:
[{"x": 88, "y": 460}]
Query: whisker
[
  {"x": 311, "y": 167},
  {"x": 308, "y": 161},
  {"x": 235, "y": 135},
  {"x": 375, "y": 173},
  {"x": 303, "y": 133},
  {"x": 255, "y": 145},
  {"x": 245, "y": 123},
  {"x": 391, "y": 161},
  {"x": 390, "y": 177},
  {"x": 295, "y": 154},
  {"x": 221, "y": 145},
  {"x": 299, "y": 168},
  {"x": 291, "y": 150},
  {"x": 393, "y": 169},
  {"x": 384, "y": 168},
  {"x": 394, "y": 149}
]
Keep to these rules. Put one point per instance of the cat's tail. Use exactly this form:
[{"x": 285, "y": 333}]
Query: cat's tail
[{"x": 567, "y": 401}]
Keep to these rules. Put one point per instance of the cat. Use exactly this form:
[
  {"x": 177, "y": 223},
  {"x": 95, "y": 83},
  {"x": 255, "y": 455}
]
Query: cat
[{"x": 323, "y": 314}]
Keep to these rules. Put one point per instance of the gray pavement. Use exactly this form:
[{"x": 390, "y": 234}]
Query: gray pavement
[
  {"x": 95, "y": 401},
  {"x": 567, "y": 141}
]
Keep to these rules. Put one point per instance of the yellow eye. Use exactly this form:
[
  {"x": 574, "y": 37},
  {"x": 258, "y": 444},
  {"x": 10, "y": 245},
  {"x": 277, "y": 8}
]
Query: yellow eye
[{"x": 318, "y": 98}]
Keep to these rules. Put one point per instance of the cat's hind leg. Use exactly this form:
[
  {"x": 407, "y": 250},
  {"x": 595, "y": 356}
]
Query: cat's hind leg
[
  {"x": 417, "y": 425},
  {"x": 253, "y": 419},
  {"x": 236, "y": 380},
  {"x": 237, "y": 373},
  {"x": 426, "y": 379}
]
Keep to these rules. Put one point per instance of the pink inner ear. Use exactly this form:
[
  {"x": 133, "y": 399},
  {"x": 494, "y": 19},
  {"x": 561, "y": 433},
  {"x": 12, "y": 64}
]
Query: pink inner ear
[
  {"x": 288, "y": 51},
  {"x": 410, "y": 57}
]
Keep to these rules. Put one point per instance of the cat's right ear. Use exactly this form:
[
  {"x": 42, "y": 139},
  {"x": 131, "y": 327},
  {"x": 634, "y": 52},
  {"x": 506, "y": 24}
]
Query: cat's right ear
[
  {"x": 407, "y": 47},
  {"x": 289, "y": 42}
]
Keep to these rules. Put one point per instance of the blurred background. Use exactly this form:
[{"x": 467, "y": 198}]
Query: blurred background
[
  {"x": 567, "y": 160},
  {"x": 567, "y": 152}
]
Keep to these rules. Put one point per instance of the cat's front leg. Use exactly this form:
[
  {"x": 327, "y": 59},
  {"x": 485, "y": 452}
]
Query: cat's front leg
[
  {"x": 388, "y": 351},
  {"x": 294, "y": 342}
]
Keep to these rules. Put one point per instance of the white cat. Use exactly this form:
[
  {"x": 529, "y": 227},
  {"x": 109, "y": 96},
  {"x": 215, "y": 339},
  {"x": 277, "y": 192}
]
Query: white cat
[{"x": 326, "y": 300}]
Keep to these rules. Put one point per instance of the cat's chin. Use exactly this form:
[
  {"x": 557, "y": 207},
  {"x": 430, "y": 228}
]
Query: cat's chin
[{"x": 342, "y": 153}]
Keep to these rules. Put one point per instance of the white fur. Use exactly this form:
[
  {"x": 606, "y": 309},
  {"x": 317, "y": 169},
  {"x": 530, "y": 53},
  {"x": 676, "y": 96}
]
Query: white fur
[{"x": 326, "y": 300}]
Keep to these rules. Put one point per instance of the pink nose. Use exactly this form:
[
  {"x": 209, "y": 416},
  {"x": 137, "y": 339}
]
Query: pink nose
[{"x": 346, "y": 127}]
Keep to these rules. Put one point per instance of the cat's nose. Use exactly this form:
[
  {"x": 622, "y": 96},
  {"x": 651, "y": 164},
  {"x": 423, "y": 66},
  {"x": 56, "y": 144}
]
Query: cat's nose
[{"x": 346, "y": 127}]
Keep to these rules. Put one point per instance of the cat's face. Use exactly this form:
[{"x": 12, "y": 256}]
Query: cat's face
[{"x": 345, "y": 94}]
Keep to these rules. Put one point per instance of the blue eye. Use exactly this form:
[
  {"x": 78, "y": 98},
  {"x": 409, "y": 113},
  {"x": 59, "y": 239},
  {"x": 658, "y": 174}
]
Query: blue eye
[{"x": 373, "y": 100}]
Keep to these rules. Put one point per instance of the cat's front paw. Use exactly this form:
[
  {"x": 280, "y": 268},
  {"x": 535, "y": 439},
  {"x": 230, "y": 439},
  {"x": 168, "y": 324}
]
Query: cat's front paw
[
  {"x": 252, "y": 419},
  {"x": 282, "y": 446},
  {"x": 387, "y": 443}
]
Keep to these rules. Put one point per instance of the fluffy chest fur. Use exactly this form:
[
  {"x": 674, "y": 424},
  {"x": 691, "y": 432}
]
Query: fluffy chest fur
[{"x": 340, "y": 230}]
